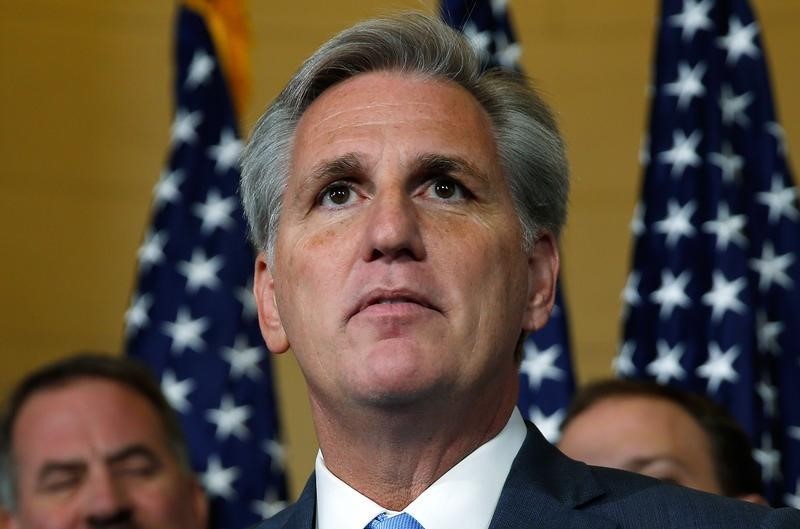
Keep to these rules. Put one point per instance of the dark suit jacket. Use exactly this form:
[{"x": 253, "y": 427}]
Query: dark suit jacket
[{"x": 547, "y": 490}]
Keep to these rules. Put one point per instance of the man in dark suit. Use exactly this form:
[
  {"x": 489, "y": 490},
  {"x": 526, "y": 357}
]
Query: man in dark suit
[{"x": 406, "y": 208}]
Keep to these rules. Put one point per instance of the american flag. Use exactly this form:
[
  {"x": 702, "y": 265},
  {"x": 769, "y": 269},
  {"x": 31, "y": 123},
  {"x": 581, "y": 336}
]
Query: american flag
[
  {"x": 192, "y": 317},
  {"x": 546, "y": 378},
  {"x": 712, "y": 303}
]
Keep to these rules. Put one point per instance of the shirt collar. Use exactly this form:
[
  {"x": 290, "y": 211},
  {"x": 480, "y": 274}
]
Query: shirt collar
[{"x": 465, "y": 496}]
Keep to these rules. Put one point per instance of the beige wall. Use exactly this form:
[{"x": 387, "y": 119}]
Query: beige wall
[{"x": 84, "y": 117}]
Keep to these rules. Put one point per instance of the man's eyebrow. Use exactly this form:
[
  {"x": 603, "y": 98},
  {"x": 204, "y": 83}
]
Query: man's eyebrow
[
  {"x": 441, "y": 163},
  {"x": 344, "y": 166},
  {"x": 132, "y": 451}
]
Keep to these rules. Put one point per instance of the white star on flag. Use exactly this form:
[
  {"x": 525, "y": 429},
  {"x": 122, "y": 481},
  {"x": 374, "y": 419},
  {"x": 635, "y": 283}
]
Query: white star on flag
[
  {"x": 779, "y": 200},
  {"x": 507, "y": 55},
  {"x": 248, "y": 301},
  {"x": 217, "y": 480},
  {"x": 186, "y": 332},
  {"x": 177, "y": 391},
  {"x": 769, "y": 459},
  {"x": 668, "y": 363},
  {"x": 184, "y": 126},
  {"x": 739, "y": 40},
  {"x": 637, "y": 222},
  {"x": 215, "y": 212},
  {"x": 678, "y": 222},
  {"x": 229, "y": 419},
  {"x": 167, "y": 190},
  {"x": 794, "y": 432},
  {"x": 644, "y": 151},
  {"x": 479, "y": 40},
  {"x": 269, "y": 506},
  {"x": 693, "y": 17},
  {"x": 727, "y": 228},
  {"x": 277, "y": 454},
  {"x": 683, "y": 152},
  {"x": 201, "y": 271},
  {"x": 767, "y": 333},
  {"x": 719, "y": 367},
  {"x": 724, "y": 296},
  {"x": 226, "y": 152},
  {"x": 631, "y": 292},
  {"x": 734, "y": 106},
  {"x": 243, "y": 359},
  {"x": 771, "y": 268},
  {"x": 623, "y": 362},
  {"x": 136, "y": 316},
  {"x": 499, "y": 7},
  {"x": 769, "y": 396},
  {"x": 688, "y": 85},
  {"x": 151, "y": 252},
  {"x": 793, "y": 500},
  {"x": 728, "y": 161},
  {"x": 549, "y": 425},
  {"x": 776, "y": 130},
  {"x": 540, "y": 365},
  {"x": 199, "y": 69},
  {"x": 672, "y": 292}
]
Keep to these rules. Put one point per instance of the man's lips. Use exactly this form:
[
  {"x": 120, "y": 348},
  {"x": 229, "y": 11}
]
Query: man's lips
[{"x": 390, "y": 297}]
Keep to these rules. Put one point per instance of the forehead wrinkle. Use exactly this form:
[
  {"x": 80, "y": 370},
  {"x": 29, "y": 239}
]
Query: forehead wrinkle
[{"x": 370, "y": 106}]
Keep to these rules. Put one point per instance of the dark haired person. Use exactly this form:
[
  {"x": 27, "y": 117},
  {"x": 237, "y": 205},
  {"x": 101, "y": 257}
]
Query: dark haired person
[
  {"x": 663, "y": 432},
  {"x": 91, "y": 442},
  {"x": 406, "y": 206}
]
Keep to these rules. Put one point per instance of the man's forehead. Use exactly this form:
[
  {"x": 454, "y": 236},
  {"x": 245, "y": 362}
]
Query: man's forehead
[
  {"x": 420, "y": 116},
  {"x": 83, "y": 418}
]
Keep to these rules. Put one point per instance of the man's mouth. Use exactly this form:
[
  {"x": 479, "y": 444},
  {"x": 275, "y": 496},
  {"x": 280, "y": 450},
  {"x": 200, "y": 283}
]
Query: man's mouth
[{"x": 390, "y": 297}]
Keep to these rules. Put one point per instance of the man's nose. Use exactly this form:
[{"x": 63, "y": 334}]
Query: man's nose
[
  {"x": 392, "y": 229},
  {"x": 107, "y": 503}
]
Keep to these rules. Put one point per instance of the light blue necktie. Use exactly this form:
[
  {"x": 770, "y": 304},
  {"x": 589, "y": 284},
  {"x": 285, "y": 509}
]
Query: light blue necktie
[{"x": 401, "y": 521}]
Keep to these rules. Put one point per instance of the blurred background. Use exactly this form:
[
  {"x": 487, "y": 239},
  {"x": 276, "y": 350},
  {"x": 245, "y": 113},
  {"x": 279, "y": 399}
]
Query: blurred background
[{"x": 85, "y": 113}]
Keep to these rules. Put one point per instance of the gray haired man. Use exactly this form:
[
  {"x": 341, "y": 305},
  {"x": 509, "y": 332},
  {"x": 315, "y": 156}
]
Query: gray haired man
[{"x": 406, "y": 208}]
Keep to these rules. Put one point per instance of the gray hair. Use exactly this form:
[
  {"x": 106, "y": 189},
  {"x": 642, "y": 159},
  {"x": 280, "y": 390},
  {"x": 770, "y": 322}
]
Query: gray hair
[
  {"x": 125, "y": 371},
  {"x": 530, "y": 147}
]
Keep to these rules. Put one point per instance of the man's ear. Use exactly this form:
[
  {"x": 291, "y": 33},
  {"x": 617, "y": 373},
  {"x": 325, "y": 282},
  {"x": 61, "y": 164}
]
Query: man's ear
[
  {"x": 543, "y": 263},
  {"x": 199, "y": 502},
  {"x": 268, "y": 317}
]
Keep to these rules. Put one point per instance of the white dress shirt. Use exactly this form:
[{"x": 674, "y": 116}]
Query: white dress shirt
[{"x": 465, "y": 497}]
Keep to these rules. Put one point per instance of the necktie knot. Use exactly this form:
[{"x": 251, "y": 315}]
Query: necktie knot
[{"x": 400, "y": 521}]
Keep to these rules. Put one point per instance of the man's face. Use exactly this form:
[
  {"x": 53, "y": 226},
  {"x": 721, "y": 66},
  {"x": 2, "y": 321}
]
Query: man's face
[
  {"x": 93, "y": 454},
  {"x": 647, "y": 435},
  {"x": 399, "y": 269}
]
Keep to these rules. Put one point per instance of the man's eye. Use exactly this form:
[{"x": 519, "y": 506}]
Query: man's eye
[
  {"x": 60, "y": 483},
  {"x": 336, "y": 195},
  {"x": 447, "y": 189}
]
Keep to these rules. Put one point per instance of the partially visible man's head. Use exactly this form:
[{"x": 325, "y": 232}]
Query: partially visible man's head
[
  {"x": 663, "y": 432},
  {"x": 529, "y": 144},
  {"x": 90, "y": 441}
]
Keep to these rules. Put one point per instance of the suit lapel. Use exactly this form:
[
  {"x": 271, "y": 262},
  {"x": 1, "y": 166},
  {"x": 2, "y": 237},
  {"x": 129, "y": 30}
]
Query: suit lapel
[
  {"x": 304, "y": 510},
  {"x": 545, "y": 490}
]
